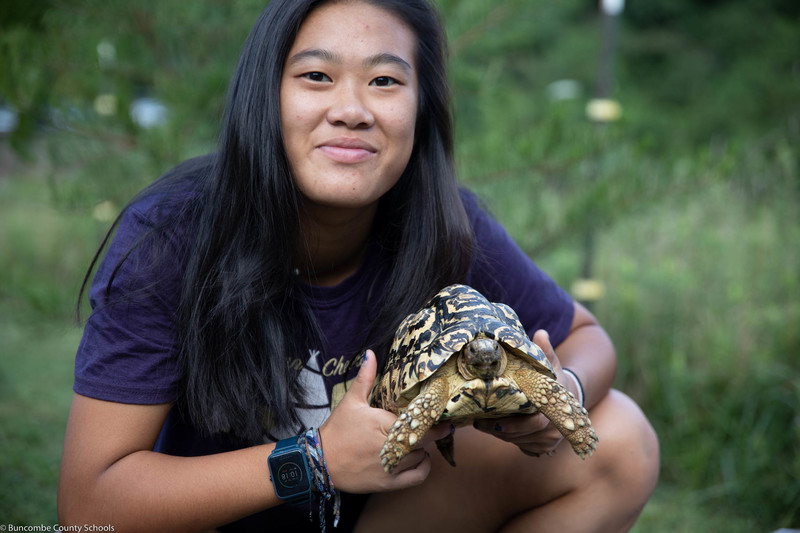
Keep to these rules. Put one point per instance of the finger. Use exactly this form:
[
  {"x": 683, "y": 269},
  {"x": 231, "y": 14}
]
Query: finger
[
  {"x": 412, "y": 470},
  {"x": 437, "y": 432},
  {"x": 362, "y": 384},
  {"x": 489, "y": 425},
  {"x": 525, "y": 424},
  {"x": 513, "y": 426},
  {"x": 540, "y": 447},
  {"x": 542, "y": 338},
  {"x": 545, "y": 444}
]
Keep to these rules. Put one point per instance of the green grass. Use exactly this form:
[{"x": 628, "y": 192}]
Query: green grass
[
  {"x": 35, "y": 385},
  {"x": 703, "y": 307},
  {"x": 681, "y": 510},
  {"x": 43, "y": 250},
  {"x": 46, "y": 248}
]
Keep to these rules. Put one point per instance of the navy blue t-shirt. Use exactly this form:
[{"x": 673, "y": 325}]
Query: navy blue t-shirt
[{"x": 129, "y": 348}]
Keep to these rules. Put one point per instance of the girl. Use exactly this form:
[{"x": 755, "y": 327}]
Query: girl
[{"x": 244, "y": 290}]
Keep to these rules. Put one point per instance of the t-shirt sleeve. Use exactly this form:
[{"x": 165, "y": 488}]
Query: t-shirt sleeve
[
  {"x": 502, "y": 272},
  {"x": 128, "y": 352}
]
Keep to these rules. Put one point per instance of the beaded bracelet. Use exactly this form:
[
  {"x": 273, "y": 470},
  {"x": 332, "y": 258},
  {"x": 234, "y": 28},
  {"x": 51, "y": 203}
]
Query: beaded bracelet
[
  {"x": 578, "y": 383},
  {"x": 322, "y": 478}
]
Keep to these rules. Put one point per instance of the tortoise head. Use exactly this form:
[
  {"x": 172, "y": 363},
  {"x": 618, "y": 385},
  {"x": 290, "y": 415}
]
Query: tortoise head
[{"x": 482, "y": 358}]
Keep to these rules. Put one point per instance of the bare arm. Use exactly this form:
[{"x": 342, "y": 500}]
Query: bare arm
[
  {"x": 589, "y": 353},
  {"x": 109, "y": 475}
]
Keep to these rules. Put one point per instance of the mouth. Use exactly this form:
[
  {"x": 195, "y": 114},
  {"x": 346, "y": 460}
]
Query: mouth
[{"x": 347, "y": 150}]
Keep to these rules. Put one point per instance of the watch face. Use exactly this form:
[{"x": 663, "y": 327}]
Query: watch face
[{"x": 289, "y": 475}]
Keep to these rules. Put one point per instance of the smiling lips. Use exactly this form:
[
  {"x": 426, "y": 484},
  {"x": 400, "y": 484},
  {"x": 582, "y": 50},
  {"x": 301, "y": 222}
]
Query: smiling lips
[{"x": 347, "y": 150}]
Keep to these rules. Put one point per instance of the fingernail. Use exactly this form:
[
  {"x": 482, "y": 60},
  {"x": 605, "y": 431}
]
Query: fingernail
[
  {"x": 364, "y": 359},
  {"x": 498, "y": 428}
]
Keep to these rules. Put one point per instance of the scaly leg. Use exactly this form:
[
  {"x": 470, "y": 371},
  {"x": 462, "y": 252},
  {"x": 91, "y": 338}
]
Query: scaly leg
[
  {"x": 412, "y": 423},
  {"x": 561, "y": 408}
]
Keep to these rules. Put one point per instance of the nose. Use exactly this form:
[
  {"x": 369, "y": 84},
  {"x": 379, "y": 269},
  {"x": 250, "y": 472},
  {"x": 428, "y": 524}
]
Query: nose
[{"x": 349, "y": 108}]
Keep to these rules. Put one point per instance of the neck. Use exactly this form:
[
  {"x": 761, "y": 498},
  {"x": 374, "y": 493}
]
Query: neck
[{"x": 332, "y": 244}]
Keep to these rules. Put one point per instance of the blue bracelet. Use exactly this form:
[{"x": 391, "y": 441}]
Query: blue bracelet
[{"x": 322, "y": 477}]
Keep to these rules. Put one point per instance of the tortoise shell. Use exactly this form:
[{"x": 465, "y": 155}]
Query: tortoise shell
[{"x": 455, "y": 316}]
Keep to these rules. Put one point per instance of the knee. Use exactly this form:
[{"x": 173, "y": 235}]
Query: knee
[{"x": 630, "y": 451}]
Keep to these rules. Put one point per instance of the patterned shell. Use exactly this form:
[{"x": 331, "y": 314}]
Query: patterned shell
[{"x": 458, "y": 314}]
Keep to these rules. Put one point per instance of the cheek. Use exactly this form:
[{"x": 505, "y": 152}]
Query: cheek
[
  {"x": 405, "y": 139},
  {"x": 403, "y": 127},
  {"x": 296, "y": 115}
]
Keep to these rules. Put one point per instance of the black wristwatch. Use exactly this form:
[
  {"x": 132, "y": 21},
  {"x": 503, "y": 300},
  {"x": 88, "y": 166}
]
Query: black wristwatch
[{"x": 289, "y": 470}]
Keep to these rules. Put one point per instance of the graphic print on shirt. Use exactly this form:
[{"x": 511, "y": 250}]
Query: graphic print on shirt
[
  {"x": 317, "y": 401},
  {"x": 323, "y": 381}
]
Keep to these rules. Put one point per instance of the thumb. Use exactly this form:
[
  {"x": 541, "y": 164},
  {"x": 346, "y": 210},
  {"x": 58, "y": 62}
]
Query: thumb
[
  {"x": 362, "y": 384},
  {"x": 542, "y": 339}
]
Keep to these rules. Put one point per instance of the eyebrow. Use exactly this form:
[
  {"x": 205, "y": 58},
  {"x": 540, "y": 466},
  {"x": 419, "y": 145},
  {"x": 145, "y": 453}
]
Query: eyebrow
[
  {"x": 387, "y": 59},
  {"x": 384, "y": 58}
]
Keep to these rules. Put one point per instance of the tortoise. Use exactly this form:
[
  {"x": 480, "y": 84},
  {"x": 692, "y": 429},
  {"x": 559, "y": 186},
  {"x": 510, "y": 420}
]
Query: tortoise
[{"x": 461, "y": 358}]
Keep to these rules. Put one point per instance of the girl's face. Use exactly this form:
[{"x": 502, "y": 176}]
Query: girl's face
[{"x": 349, "y": 104}]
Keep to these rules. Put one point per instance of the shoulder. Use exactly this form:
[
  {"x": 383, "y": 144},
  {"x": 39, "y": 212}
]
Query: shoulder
[
  {"x": 485, "y": 228},
  {"x": 490, "y": 238},
  {"x": 152, "y": 233},
  {"x": 473, "y": 205},
  {"x": 164, "y": 209},
  {"x": 128, "y": 349},
  {"x": 503, "y": 272}
]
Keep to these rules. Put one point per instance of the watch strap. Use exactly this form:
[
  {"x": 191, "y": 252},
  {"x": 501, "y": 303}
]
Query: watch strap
[{"x": 288, "y": 445}]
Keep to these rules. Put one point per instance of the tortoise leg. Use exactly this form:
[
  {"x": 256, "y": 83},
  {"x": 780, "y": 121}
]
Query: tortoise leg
[
  {"x": 561, "y": 408},
  {"x": 412, "y": 423}
]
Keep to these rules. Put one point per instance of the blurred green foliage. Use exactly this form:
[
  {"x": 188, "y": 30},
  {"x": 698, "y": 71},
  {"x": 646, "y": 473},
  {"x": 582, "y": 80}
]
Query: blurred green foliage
[{"x": 692, "y": 200}]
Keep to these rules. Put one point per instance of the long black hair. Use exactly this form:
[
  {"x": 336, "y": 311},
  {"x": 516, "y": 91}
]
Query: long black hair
[{"x": 242, "y": 311}]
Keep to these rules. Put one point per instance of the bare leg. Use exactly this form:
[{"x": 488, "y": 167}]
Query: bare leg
[{"x": 497, "y": 488}]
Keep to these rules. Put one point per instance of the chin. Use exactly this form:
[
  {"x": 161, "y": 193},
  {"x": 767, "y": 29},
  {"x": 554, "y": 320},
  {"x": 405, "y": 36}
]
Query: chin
[
  {"x": 348, "y": 196},
  {"x": 339, "y": 202}
]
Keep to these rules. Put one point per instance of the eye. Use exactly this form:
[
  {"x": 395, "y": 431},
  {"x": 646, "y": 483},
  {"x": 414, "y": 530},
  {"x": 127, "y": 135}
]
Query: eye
[
  {"x": 383, "y": 81},
  {"x": 316, "y": 77}
]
